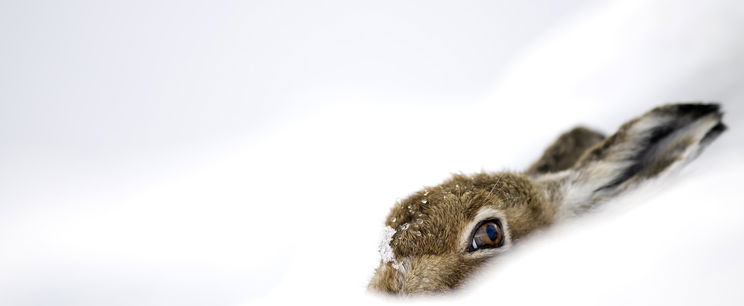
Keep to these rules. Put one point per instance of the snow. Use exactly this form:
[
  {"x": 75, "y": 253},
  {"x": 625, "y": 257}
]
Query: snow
[
  {"x": 386, "y": 251},
  {"x": 247, "y": 153}
]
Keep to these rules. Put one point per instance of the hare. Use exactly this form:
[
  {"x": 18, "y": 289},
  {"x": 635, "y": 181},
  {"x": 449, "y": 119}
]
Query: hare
[{"x": 438, "y": 236}]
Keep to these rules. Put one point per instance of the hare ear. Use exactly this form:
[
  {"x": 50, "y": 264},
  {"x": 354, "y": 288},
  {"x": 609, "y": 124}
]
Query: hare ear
[
  {"x": 565, "y": 151},
  {"x": 641, "y": 149}
]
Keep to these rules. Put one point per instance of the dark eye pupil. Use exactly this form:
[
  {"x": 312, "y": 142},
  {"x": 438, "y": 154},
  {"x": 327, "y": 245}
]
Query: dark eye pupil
[
  {"x": 487, "y": 234},
  {"x": 491, "y": 231}
]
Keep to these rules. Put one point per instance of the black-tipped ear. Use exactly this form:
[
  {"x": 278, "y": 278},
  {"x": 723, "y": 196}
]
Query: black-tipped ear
[
  {"x": 713, "y": 134},
  {"x": 642, "y": 149}
]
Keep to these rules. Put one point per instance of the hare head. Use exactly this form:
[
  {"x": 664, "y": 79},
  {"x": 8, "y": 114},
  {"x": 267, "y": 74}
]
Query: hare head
[{"x": 438, "y": 236}]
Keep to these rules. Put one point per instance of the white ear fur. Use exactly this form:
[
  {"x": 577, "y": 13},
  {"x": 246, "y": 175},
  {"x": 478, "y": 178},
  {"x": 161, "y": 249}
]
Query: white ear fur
[{"x": 665, "y": 138}]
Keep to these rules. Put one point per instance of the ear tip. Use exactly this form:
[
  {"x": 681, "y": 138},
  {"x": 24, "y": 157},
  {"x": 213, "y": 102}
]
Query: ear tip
[
  {"x": 721, "y": 127},
  {"x": 697, "y": 109},
  {"x": 688, "y": 111},
  {"x": 713, "y": 133}
]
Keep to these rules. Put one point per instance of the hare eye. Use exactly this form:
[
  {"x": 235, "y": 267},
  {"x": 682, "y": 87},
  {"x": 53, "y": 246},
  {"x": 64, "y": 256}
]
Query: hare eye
[{"x": 487, "y": 234}]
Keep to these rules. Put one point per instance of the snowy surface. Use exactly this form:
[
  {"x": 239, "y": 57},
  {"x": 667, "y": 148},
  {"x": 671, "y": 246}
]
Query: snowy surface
[{"x": 247, "y": 153}]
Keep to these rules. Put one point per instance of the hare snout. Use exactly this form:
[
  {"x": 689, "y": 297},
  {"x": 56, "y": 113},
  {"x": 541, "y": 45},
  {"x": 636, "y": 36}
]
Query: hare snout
[{"x": 421, "y": 274}]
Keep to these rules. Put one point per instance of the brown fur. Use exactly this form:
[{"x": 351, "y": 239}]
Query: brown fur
[
  {"x": 580, "y": 169},
  {"x": 565, "y": 151}
]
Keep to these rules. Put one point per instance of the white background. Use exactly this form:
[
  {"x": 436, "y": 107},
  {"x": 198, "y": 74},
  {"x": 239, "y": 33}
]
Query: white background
[{"x": 247, "y": 152}]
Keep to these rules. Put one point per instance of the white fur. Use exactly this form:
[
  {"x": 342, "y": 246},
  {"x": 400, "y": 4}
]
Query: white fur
[{"x": 579, "y": 187}]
